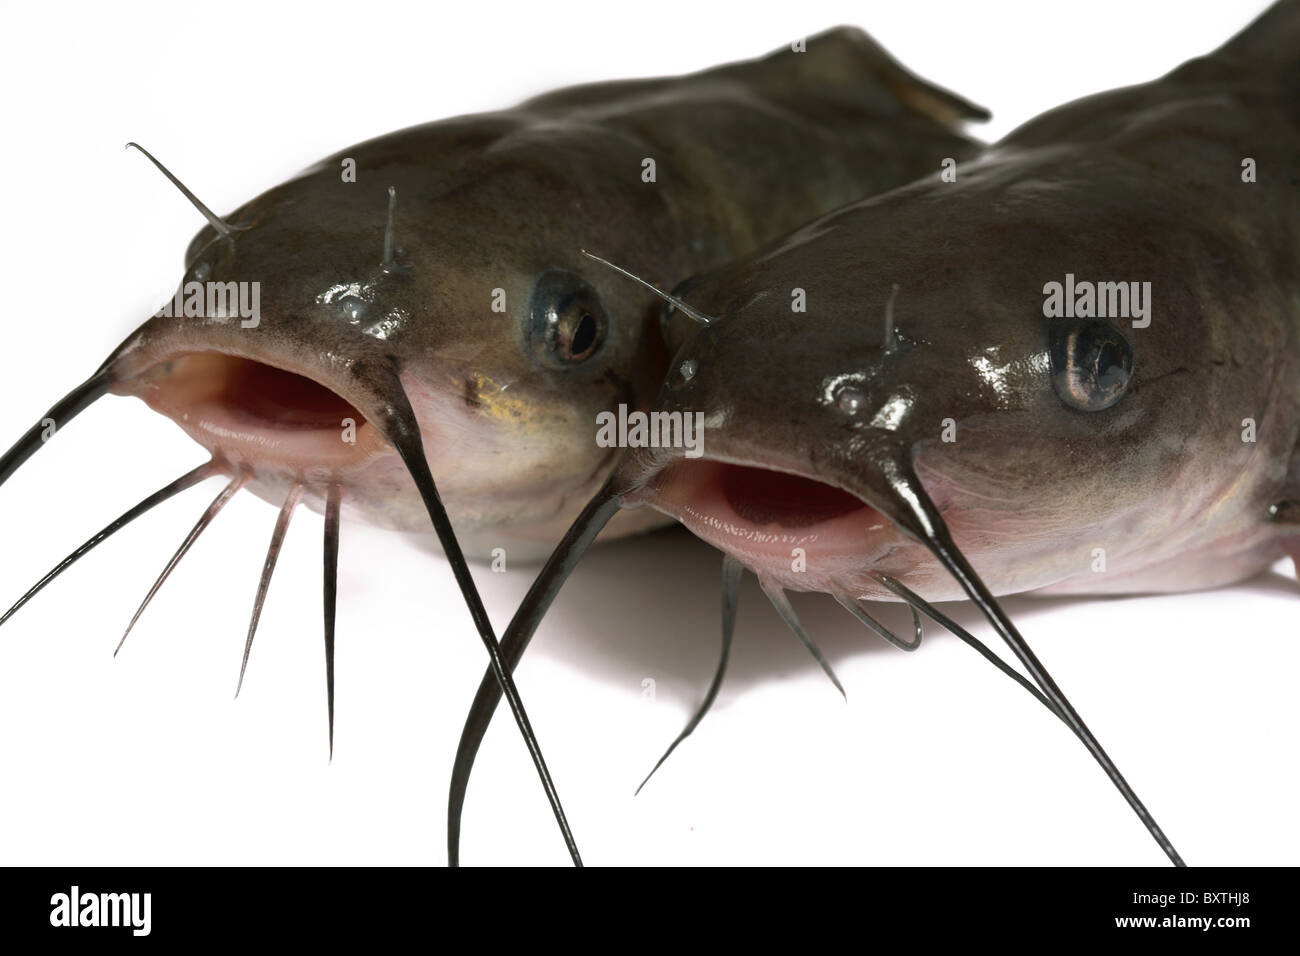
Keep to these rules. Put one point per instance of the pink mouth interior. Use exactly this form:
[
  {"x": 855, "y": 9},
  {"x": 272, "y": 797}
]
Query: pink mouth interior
[
  {"x": 278, "y": 398},
  {"x": 760, "y": 496},
  {"x": 256, "y": 413},
  {"x": 760, "y": 516}
]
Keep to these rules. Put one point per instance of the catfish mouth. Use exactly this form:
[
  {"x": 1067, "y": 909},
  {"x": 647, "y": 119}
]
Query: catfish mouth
[
  {"x": 257, "y": 415},
  {"x": 762, "y": 515}
]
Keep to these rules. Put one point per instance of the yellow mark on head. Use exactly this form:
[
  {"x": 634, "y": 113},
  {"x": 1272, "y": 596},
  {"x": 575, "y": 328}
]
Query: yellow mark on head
[{"x": 493, "y": 399}]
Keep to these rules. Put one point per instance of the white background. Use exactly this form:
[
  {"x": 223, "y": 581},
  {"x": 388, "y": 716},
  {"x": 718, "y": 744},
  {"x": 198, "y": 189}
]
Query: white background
[{"x": 145, "y": 759}]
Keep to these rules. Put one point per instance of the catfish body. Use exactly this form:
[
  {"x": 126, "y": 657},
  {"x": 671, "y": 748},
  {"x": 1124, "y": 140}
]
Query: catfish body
[
  {"x": 447, "y": 355},
  {"x": 942, "y": 418},
  {"x": 1146, "y": 194},
  {"x": 506, "y": 340}
]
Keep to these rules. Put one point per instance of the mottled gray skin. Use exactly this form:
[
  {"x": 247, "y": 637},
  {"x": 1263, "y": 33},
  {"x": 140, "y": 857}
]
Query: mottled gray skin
[
  {"x": 1139, "y": 184},
  {"x": 743, "y": 154}
]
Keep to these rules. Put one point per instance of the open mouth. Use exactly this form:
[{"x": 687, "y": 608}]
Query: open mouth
[
  {"x": 257, "y": 414},
  {"x": 761, "y": 516}
]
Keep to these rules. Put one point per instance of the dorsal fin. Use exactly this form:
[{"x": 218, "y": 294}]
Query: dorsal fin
[
  {"x": 842, "y": 67},
  {"x": 846, "y": 66},
  {"x": 1269, "y": 45}
]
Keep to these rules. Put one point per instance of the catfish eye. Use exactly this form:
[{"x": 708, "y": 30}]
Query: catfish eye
[
  {"x": 1091, "y": 363},
  {"x": 567, "y": 323}
]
